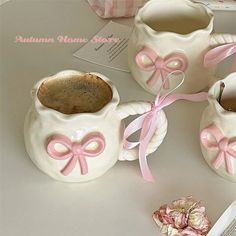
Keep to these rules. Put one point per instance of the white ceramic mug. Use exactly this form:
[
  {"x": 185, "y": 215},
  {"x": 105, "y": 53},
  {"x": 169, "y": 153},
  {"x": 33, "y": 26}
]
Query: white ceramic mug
[
  {"x": 47, "y": 129},
  {"x": 169, "y": 36},
  {"x": 218, "y": 130}
]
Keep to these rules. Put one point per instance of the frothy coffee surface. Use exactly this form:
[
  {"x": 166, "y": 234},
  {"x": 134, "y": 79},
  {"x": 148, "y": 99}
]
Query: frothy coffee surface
[
  {"x": 229, "y": 104},
  {"x": 76, "y": 94}
]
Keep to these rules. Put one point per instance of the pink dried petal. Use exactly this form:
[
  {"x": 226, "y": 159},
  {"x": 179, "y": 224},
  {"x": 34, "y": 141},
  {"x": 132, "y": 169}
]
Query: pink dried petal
[
  {"x": 180, "y": 219},
  {"x": 189, "y": 232},
  {"x": 185, "y": 216},
  {"x": 162, "y": 215},
  {"x": 198, "y": 220},
  {"x": 185, "y": 203}
]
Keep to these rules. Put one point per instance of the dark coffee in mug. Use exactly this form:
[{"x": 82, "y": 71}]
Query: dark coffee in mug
[
  {"x": 229, "y": 104},
  {"x": 85, "y": 93}
]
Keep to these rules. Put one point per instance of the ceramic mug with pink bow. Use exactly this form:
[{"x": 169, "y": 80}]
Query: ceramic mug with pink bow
[
  {"x": 175, "y": 35},
  {"x": 74, "y": 129},
  {"x": 218, "y": 128}
]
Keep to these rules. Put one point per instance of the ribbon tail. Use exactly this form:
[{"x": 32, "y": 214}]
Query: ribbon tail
[
  {"x": 198, "y": 97},
  {"x": 69, "y": 166},
  {"x": 83, "y": 165},
  {"x": 134, "y": 126},
  {"x": 155, "y": 76},
  {"x": 213, "y": 57},
  {"x": 218, "y": 54},
  {"x": 218, "y": 160},
  {"x": 146, "y": 173},
  {"x": 229, "y": 165}
]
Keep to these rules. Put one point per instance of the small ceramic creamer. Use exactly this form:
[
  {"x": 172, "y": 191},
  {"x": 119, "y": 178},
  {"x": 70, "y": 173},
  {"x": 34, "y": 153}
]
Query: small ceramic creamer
[
  {"x": 218, "y": 128},
  {"x": 169, "y": 36},
  {"x": 74, "y": 129}
]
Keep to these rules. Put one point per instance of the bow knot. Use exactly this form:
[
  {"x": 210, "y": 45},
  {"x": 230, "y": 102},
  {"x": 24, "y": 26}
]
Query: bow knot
[
  {"x": 161, "y": 67},
  {"x": 225, "y": 145},
  {"x": 156, "y": 106},
  {"x": 77, "y": 149},
  {"x": 160, "y": 64},
  {"x": 148, "y": 124},
  {"x": 75, "y": 152}
]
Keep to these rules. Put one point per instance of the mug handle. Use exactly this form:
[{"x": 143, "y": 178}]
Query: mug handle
[
  {"x": 219, "y": 39},
  {"x": 133, "y": 108}
]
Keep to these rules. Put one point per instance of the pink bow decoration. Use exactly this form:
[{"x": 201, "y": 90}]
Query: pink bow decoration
[
  {"x": 162, "y": 67},
  {"x": 75, "y": 152},
  {"x": 218, "y": 54},
  {"x": 148, "y": 123},
  {"x": 223, "y": 144}
]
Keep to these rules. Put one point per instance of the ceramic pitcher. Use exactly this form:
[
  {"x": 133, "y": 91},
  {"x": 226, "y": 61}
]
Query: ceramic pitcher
[
  {"x": 218, "y": 130},
  {"x": 169, "y": 36},
  {"x": 82, "y": 146}
]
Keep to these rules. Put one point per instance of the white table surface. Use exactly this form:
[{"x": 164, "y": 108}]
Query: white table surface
[{"x": 120, "y": 202}]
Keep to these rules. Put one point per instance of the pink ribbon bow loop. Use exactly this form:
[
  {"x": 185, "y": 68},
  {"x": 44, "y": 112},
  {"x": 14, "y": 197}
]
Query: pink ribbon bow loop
[
  {"x": 148, "y": 124},
  {"x": 226, "y": 147},
  {"x": 75, "y": 152},
  {"x": 218, "y": 54},
  {"x": 161, "y": 67}
]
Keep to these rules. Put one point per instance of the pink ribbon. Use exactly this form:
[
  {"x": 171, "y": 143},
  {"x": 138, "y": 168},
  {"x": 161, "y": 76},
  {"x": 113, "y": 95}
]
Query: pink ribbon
[
  {"x": 148, "y": 123},
  {"x": 76, "y": 152},
  {"x": 161, "y": 67},
  {"x": 223, "y": 144},
  {"x": 218, "y": 54}
]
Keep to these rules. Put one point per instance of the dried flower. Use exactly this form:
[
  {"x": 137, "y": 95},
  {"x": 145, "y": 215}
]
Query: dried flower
[{"x": 184, "y": 217}]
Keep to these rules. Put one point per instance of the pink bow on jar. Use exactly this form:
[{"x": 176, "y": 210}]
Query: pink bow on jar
[
  {"x": 225, "y": 146},
  {"x": 161, "y": 66},
  {"x": 75, "y": 152}
]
